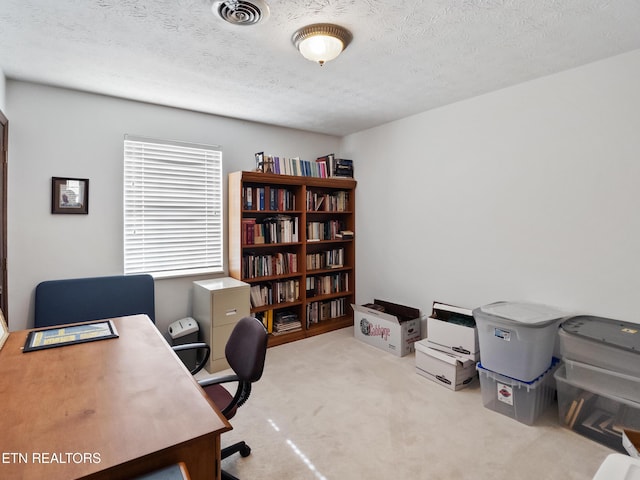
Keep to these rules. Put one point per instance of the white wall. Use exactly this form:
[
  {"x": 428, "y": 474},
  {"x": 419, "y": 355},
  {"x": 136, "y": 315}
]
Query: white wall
[
  {"x": 3, "y": 87},
  {"x": 529, "y": 193},
  {"x": 58, "y": 132}
]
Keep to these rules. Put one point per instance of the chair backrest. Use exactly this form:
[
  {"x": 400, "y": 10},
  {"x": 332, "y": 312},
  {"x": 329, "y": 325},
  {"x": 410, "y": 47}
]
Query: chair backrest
[
  {"x": 93, "y": 298},
  {"x": 246, "y": 349}
]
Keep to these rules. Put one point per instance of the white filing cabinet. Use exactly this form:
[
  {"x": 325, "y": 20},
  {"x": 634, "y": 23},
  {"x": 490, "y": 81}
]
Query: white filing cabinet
[{"x": 217, "y": 305}]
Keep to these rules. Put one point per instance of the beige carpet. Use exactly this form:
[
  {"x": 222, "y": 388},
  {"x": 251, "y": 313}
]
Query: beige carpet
[{"x": 331, "y": 407}]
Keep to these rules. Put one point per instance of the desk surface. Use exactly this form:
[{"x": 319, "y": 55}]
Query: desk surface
[{"x": 79, "y": 410}]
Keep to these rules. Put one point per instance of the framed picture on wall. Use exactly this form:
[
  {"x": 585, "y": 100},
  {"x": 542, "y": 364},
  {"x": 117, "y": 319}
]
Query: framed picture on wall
[{"x": 69, "y": 195}]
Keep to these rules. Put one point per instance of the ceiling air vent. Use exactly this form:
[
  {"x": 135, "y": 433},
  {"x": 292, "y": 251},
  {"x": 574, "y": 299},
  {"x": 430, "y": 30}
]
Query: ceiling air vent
[{"x": 241, "y": 12}]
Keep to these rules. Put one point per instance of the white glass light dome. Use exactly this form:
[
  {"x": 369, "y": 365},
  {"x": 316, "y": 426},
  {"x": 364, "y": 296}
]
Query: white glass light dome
[{"x": 321, "y": 42}]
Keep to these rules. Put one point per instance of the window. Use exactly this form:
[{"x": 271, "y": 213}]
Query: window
[{"x": 172, "y": 207}]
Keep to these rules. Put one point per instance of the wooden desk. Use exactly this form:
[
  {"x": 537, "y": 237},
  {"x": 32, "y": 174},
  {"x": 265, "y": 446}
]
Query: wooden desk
[{"x": 109, "y": 409}]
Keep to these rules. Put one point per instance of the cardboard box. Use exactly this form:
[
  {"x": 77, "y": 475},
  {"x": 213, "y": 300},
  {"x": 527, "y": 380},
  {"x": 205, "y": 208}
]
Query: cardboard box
[
  {"x": 449, "y": 370},
  {"x": 453, "y": 329},
  {"x": 388, "y": 326},
  {"x": 631, "y": 442}
]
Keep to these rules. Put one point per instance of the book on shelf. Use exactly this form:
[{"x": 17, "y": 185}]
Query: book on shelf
[
  {"x": 337, "y": 167},
  {"x": 259, "y": 156},
  {"x": 345, "y": 234},
  {"x": 333, "y": 258},
  {"x": 328, "y": 230},
  {"x": 286, "y": 322},
  {"x": 329, "y": 162},
  {"x": 266, "y": 318},
  {"x": 344, "y": 168},
  {"x": 265, "y": 265},
  {"x": 327, "y": 166},
  {"x": 327, "y": 202},
  {"x": 247, "y": 198},
  {"x": 322, "y": 168},
  {"x": 327, "y": 284}
]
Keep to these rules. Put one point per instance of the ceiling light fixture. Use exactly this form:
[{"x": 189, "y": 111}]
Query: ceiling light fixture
[{"x": 321, "y": 42}]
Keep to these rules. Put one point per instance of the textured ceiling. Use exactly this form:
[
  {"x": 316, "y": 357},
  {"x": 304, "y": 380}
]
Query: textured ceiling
[{"x": 406, "y": 56}]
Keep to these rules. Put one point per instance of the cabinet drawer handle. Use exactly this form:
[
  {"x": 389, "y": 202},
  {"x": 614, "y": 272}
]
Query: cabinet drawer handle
[{"x": 232, "y": 311}]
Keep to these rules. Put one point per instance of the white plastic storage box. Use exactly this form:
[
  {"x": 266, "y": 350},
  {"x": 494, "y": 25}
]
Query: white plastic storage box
[
  {"x": 618, "y": 467},
  {"x": 522, "y": 401},
  {"x": 517, "y": 339},
  {"x": 593, "y": 412},
  {"x": 453, "y": 329},
  {"x": 603, "y": 342},
  {"x": 449, "y": 370},
  {"x": 388, "y": 326}
]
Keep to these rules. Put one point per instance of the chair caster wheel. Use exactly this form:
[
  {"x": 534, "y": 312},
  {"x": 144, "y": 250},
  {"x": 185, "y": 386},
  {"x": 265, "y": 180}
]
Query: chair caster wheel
[{"x": 245, "y": 451}]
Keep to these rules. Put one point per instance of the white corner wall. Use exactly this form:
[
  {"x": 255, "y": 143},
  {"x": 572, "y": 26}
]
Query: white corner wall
[
  {"x": 56, "y": 133},
  {"x": 3, "y": 88},
  {"x": 528, "y": 193}
]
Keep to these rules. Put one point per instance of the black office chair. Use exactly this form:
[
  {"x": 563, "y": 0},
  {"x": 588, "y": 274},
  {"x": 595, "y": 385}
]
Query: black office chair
[
  {"x": 94, "y": 298},
  {"x": 245, "y": 351}
]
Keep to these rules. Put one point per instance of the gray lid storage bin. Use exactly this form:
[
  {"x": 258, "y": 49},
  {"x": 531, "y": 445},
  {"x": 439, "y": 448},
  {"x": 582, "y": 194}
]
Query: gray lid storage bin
[
  {"x": 517, "y": 339},
  {"x": 602, "y": 342}
]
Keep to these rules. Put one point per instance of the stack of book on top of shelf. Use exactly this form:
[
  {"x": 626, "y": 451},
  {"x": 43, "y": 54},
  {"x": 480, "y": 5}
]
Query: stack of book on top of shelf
[{"x": 336, "y": 167}]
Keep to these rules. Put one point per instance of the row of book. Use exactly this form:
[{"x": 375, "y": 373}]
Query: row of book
[
  {"x": 277, "y": 229},
  {"x": 280, "y": 263},
  {"x": 327, "y": 166},
  {"x": 326, "y": 259},
  {"x": 329, "y": 230},
  {"x": 327, "y": 202},
  {"x": 326, "y": 284},
  {"x": 325, "y": 310},
  {"x": 274, "y": 292},
  {"x": 268, "y": 198},
  {"x": 280, "y": 322}
]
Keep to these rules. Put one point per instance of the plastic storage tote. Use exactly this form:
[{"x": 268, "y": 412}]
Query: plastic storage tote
[
  {"x": 517, "y": 339},
  {"x": 522, "y": 401},
  {"x": 591, "y": 410},
  {"x": 616, "y": 383},
  {"x": 602, "y": 342}
]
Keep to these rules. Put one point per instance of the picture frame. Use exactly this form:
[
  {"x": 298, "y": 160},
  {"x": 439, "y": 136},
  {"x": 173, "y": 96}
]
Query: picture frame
[
  {"x": 259, "y": 162},
  {"x": 69, "y": 335},
  {"x": 4, "y": 330},
  {"x": 69, "y": 195}
]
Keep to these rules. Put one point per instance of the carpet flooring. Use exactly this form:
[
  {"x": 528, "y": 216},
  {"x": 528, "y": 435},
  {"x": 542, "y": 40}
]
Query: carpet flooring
[{"x": 331, "y": 407}]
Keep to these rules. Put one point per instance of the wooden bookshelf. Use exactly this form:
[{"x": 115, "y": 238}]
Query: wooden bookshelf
[{"x": 294, "y": 218}]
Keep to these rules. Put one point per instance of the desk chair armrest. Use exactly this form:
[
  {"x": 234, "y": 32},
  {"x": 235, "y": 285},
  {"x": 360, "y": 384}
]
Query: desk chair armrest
[
  {"x": 195, "y": 346},
  {"x": 243, "y": 390},
  {"x": 205, "y": 382}
]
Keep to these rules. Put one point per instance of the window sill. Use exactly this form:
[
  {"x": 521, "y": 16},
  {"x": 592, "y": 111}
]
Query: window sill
[{"x": 185, "y": 273}]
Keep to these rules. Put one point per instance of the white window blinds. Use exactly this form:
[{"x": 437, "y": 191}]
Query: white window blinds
[{"x": 172, "y": 207}]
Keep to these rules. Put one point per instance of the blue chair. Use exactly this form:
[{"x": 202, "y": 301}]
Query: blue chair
[{"x": 93, "y": 298}]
